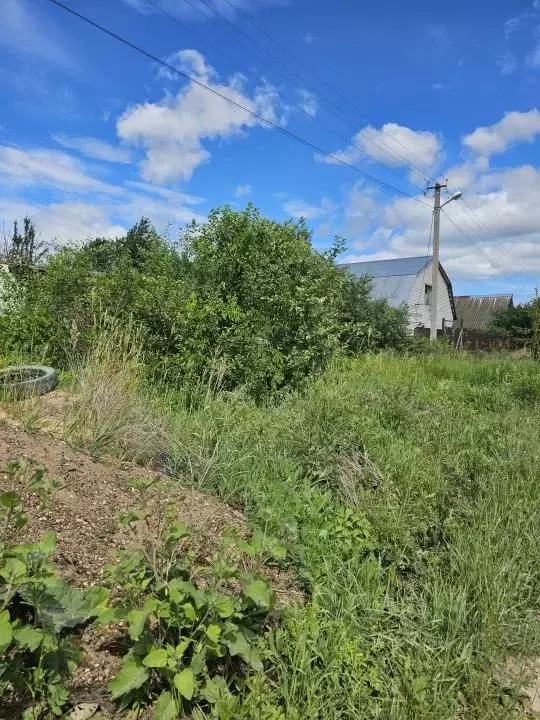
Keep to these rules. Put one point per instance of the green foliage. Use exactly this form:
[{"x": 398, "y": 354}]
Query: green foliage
[
  {"x": 515, "y": 322},
  {"x": 36, "y": 606},
  {"x": 193, "y": 643},
  {"x": 406, "y": 492},
  {"x": 241, "y": 299},
  {"x": 23, "y": 250}
]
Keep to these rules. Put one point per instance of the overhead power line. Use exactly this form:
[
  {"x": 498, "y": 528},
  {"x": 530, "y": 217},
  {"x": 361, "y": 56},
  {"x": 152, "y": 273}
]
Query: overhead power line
[
  {"x": 338, "y": 112},
  {"x": 485, "y": 230},
  {"x": 426, "y": 171},
  {"x": 485, "y": 254},
  {"x": 199, "y": 83},
  {"x": 320, "y": 79},
  {"x": 507, "y": 268},
  {"x": 292, "y": 102}
]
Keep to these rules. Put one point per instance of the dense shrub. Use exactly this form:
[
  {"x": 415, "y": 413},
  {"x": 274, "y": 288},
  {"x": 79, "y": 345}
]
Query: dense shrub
[{"x": 247, "y": 290}]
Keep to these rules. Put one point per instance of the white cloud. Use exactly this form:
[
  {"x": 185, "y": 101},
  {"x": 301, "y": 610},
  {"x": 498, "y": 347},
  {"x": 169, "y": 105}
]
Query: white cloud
[
  {"x": 94, "y": 148},
  {"x": 173, "y": 130},
  {"x": 24, "y": 31},
  {"x": 308, "y": 38},
  {"x": 173, "y": 196},
  {"x": 308, "y": 102},
  {"x": 64, "y": 221},
  {"x": 361, "y": 212},
  {"x": 190, "y": 62},
  {"x": 533, "y": 58},
  {"x": 507, "y": 64},
  {"x": 504, "y": 227},
  {"x": 301, "y": 209},
  {"x": 242, "y": 191},
  {"x": 49, "y": 168},
  {"x": 513, "y": 128},
  {"x": 90, "y": 207},
  {"x": 392, "y": 145},
  {"x": 437, "y": 86}
]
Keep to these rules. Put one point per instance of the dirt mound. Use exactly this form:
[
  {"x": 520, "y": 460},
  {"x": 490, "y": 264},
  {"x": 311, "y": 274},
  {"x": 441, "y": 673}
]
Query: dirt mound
[
  {"x": 92, "y": 494},
  {"x": 84, "y": 516}
]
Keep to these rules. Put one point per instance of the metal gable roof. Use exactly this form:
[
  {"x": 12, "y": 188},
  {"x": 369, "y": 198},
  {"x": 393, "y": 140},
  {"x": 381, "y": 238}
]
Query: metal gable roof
[
  {"x": 394, "y": 288},
  {"x": 477, "y": 311},
  {"x": 393, "y": 279},
  {"x": 386, "y": 268}
]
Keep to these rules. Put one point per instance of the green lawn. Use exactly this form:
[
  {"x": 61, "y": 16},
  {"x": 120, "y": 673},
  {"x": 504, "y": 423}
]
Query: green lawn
[{"x": 407, "y": 490}]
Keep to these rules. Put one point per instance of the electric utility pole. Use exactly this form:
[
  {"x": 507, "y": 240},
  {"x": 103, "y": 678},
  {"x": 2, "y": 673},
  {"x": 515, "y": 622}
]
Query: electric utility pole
[
  {"x": 435, "y": 263},
  {"x": 436, "y": 251}
]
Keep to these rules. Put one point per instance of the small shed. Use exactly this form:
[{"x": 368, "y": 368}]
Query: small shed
[
  {"x": 475, "y": 312},
  {"x": 408, "y": 281}
]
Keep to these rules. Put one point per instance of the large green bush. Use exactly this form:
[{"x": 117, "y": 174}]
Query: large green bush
[{"x": 240, "y": 292}]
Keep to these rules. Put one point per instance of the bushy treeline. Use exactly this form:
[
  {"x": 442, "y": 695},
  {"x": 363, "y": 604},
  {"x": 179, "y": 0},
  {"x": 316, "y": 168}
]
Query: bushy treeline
[{"x": 240, "y": 291}]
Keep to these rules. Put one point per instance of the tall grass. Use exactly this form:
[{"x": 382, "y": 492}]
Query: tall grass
[
  {"x": 407, "y": 491},
  {"x": 110, "y": 413},
  {"x": 440, "y": 456}
]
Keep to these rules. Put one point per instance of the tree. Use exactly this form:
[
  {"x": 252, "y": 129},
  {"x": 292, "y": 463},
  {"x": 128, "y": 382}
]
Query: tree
[
  {"x": 26, "y": 249},
  {"x": 514, "y": 322}
]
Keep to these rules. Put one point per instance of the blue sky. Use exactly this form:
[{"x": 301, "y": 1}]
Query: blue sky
[{"x": 93, "y": 135}]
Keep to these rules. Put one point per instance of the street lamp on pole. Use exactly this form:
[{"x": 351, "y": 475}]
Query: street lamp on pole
[{"x": 435, "y": 264}]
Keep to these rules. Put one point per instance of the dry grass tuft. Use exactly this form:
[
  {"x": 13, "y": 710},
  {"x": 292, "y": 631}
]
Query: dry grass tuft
[
  {"x": 357, "y": 473},
  {"x": 110, "y": 414}
]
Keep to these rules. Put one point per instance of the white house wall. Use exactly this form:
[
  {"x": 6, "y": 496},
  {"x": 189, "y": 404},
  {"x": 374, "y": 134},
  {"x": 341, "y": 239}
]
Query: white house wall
[{"x": 420, "y": 312}]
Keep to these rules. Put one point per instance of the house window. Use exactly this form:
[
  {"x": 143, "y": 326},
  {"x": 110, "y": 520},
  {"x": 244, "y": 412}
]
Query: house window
[{"x": 427, "y": 295}]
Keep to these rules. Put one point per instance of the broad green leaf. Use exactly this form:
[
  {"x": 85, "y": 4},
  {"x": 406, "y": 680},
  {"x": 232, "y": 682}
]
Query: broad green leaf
[
  {"x": 13, "y": 569},
  {"x": 156, "y": 658},
  {"x": 165, "y": 707},
  {"x": 128, "y": 518},
  {"x": 111, "y": 614},
  {"x": 6, "y": 631},
  {"x": 254, "y": 659},
  {"x": 224, "y": 607},
  {"x": 184, "y": 682},
  {"x": 47, "y": 544},
  {"x": 237, "y": 643},
  {"x": 181, "y": 648},
  {"x": 178, "y": 589},
  {"x": 177, "y": 531},
  {"x": 64, "y": 606},
  {"x": 198, "y": 663},
  {"x": 10, "y": 499},
  {"x": 215, "y": 690},
  {"x": 28, "y": 636},
  {"x": 259, "y": 592},
  {"x": 137, "y": 618},
  {"x": 213, "y": 632},
  {"x": 132, "y": 675},
  {"x": 189, "y": 612},
  {"x": 97, "y": 597}
]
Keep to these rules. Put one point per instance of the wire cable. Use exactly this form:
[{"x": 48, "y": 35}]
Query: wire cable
[
  {"x": 485, "y": 230},
  {"x": 369, "y": 134},
  {"x": 485, "y": 254},
  {"x": 510, "y": 268},
  {"x": 342, "y": 97},
  {"x": 292, "y": 102},
  {"x": 201, "y": 84}
]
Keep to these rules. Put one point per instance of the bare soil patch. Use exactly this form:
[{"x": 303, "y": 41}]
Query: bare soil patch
[{"x": 84, "y": 516}]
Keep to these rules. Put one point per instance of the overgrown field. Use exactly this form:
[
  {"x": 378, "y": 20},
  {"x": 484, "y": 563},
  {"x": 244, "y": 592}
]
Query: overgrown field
[
  {"x": 407, "y": 490},
  {"x": 403, "y": 494},
  {"x": 400, "y": 493}
]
